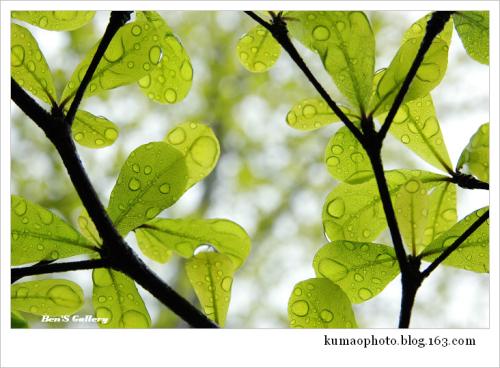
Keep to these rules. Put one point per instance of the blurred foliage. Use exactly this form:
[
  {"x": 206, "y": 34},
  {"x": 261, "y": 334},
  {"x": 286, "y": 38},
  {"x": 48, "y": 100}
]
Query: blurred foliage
[{"x": 270, "y": 179}]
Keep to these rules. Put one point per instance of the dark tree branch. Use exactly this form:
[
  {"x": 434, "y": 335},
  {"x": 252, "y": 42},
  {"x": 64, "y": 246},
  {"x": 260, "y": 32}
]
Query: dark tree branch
[
  {"x": 434, "y": 26},
  {"x": 116, "y": 21},
  {"x": 467, "y": 181},
  {"x": 43, "y": 268},
  {"x": 455, "y": 244},
  {"x": 280, "y": 33}
]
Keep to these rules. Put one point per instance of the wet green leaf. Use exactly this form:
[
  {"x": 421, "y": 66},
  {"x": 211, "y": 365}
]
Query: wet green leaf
[
  {"x": 346, "y": 159},
  {"x": 346, "y": 45},
  {"x": 417, "y": 127},
  {"x": 170, "y": 81},
  {"x": 411, "y": 205},
  {"x": 442, "y": 210},
  {"x": 183, "y": 236},
  {"x": 257, "y": 50},
  {"x": 355, "y": 212},
  {"x": 55, "y": 20},
  {"x": 28, "y": 65},
  {"x": 17, "y": 321},
  {"x": 153, "y": 178},
  {"x": 211, "y": 275},
  {"x": 93, "y": 131},
  {"x": 37, "y": 234},
  {"x": 47, "y": 297},
  {"x": 429, "y": 74},
  {"x": 476, "y": 156},
  {"x": 199, "y": 146},
  {"x": 320, "y": 303},
  {"x": 131, "y": 55},
  {"x": 473, "y": 27},
  {"x": 117, "y": 301},
  {"x": 312, "y": 114},
  {"x": 473, "y": 254},
  {"x": 362, "y": 270}
]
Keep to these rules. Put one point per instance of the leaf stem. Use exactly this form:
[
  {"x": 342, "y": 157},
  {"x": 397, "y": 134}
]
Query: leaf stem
[
  {"x": 455, "y": 244},
  {"x": 116, "y": 21},
  {"x": 43, "y": 268},
  {"x": 434, "y": 26}
]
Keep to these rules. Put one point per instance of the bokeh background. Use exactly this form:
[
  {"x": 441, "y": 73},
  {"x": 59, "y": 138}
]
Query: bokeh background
[{"x": 270, "y": 178}]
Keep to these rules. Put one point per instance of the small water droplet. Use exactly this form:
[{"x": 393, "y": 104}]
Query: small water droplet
[
  {"x": 21, "y": 207},
  {"x": 134, "y": 184},
  {"x": 309, "y": 111},
  {"x": 405, "y": 139},
  {"x": 101, "y": 299},
  {"x": 176, "y": 136},
  {"x": 326, "y": 315},
  {"x": 336, "y": 208},
  {"x": 165, "y": 188},
  {"x": 22, "y": 292},
  {"x": 152, "y": 212},
  {"x": 64, "y": 296},
  {"x": 358, "y": 277},
  {"x": 412, "y": 186},
  {"x": 332, "y": 270},
  {"x": 136, "y": 30},
  {"x": 365, "y": 294},
  {"x": 148, "y": 169},
  {"x": 105, "y": 314},
  {"x": 111, "y": 134},
  {"x": 226, "y": 283},
  {"x": 321, "y": 33},
  {"x": 170, "y": 95},
  {"x": 17, "y": 56}
]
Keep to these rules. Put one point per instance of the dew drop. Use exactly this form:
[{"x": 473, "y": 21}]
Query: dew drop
[
  {"x": 17, "y": 56},
  {"x": 386, "y": 259},
  {"x": 145, "y": 82},
  {"x": 136, "y": 30},
  {"x": 300, "y": 308},
  {"x": 46, "y": 217},
  {"x": 186, "y": 71},
  {"x": 54, "y": 255},
  {"x": 326, "y": 315},
  {"x": 365, "y": 294},
  {"x": 101, "y": 277},
  {"x": 259, "y": 66},
  {"x": 204, "y": 151},
  {"x": 105, "y": 314},
  {"x": 111, "y": 134},
  {"x": 332, "y": 270},
  {"x": 357, "y": 157},
  {"x": 99, "y": 142},
  {"x": 449, "y": 214},
  {"x": 297, "y": 291},
  {"x": 165, "y": 188},
  {"x": 155, "y": 54},
  {"x": 148, "y": 169},
  {"x": 78, "y": 136},
  {"x": 309, "y": 111},
  {"x": 21, "y": 207},
  {"x": 336, "y": 208},
  {"x": 405, "y": 139},
  {"x": 321, "y": 33},
  {"x": 358, "y": 277},
  {"x": 412, "y": 186},
  {"x": 101, "y": 299},
  {"x": 134, "y": 184},
  {"x": 340, "y": 26},
  {"x": 376, "y": 280},
  {"x": 226, "y": 283},
  {"x": 176, "y": 136},
  {"x": 337, "y": 150},
  {"x": 332, "y": 161},
  {"x": 64, "y": 296},
  {"x": 170, "y": 95},
  {"x": 152, "y": 212},
  {"x": 22, "y": 292},
  {"x": 34, "y": 309},
  {"x": 31, "y": 66}
]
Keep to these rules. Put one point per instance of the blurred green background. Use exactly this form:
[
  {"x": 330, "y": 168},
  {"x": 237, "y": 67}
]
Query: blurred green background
[{"x": 270, "y": 178}]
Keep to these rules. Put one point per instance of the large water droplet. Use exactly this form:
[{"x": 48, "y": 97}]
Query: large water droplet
[
  {"x": 134, "y": 319},
  {"x": 46, "y": 216},
  {"x": 136, "y": 30},
  {"x": 64, "y": 296},
  {"x": 165, "y": 188},
  {"x": 449, "y": 214},
  {"x": 186, "y": 71},
  {"x": 412, "y": 186},
  {"x": 204, "y": 151},
  {"x": 332, "y": 270},
  {"x": 170, "y": 95},
  {"x": 336, "y": 208},
  {"x": 152, "y": 212},
  {"x": 176, "y": 136},
  {"x": 21, "y": 207},
  {"x": 337, "y": 150},
  {"x": 300, "y": 308},
  {"x": 111, "y": 134},
  {"x": 365, "y": 294},
  {"x": 101, "y": 277},
  {"x": 309, "y": 111},
  {"x": 321, "y": 33},
  {"x": 386, "y": 259},
  {"x": 226, "y": 283},
  {"x": 17, "y": 56},
  {"x": 326, "y": 315},
  {"x": 155, "y": 54}
]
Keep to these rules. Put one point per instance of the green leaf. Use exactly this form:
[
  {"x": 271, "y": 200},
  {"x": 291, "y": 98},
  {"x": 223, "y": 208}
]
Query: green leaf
[
  {"x": 412, "y": 208},
  {"x": 257, "y": 50},
  {"x": 199, "y": 146},
  {"x": 415, "y": 125},
  {"x": 93, "y": 131},
  {"x": 473, "y": 254},
  {"x": 47, "y": 297},
  {"x": 183, "y": 236},
  {"x": 320, "y": 303},
  {"x": 442, "y": 210},
  {"x": 39, "y": 235},
  {"x": 429, "y": 74},
  {"x": 346, "y": 45},
  {"x": 153, "y": 178},
  {"x": 312, "y": 114},
  {"x": 211, "y": 275},
  {"x": 475, "y": 157},
  {"x": 117, "y": 301},
  {"x": 131, "y": 54},
  {"x": 28, "y": 65},
  {"x": 346, "y": 159},
  {"x": 152, "y": 245},
  {"x": 17, "y": 321},
  {"x": 362, "y": 270},
  {"x": 170, "y": 81},
  {"x": 473, "y": 27},
  {"x": 55, "y": 20},
  {"x": 355, "y": 212}
]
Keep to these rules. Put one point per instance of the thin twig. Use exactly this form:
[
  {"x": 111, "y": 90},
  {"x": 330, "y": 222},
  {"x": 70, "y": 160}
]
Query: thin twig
[
  {"x": 44, "y": 268},
  {"x": 116, "y": 21},
  {"x": 280, "y": 33},
  {"x": 434, "y": 26},
  {"x": 455, "y": 244}
]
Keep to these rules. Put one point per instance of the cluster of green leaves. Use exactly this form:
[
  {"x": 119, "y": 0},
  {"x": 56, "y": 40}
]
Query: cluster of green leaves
[
  {"x": 351, "y": 268},
  {"x": 154, "y": 176}
]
